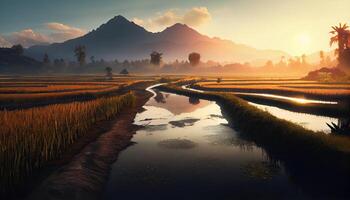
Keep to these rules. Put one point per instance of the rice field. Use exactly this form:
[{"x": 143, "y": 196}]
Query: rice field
[
  {"x": 41, "y": 117},
  {"x": 27, "y": 92},
  {"x": 32, "y": 137},
  {"x": 287, "y": 86}
]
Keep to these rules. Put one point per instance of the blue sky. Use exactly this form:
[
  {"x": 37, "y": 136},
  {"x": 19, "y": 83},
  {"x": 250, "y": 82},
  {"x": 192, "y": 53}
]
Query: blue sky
[{"x": 295, "y": 26}]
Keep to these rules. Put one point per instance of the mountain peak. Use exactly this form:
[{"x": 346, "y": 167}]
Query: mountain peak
[
  {"x": 118, "y": 19},
  {"x": 180, "y": 30},
  {"x": 178, "y": 26}
]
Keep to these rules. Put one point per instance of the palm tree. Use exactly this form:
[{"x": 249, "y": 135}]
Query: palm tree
[{"x": 340, "y": 36}]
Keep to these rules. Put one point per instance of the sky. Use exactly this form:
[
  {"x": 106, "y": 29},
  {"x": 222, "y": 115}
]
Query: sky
[{"x": 294, "y": 26}]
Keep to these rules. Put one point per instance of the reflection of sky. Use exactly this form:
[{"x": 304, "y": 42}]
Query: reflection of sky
[
  {"x": 309, "y": 121},
  {"x": 175, "y": 104},
  {"x": 294, "y": 99},
  {"x": 312, "y": 122},
  {"x": 217, "y": 158}
]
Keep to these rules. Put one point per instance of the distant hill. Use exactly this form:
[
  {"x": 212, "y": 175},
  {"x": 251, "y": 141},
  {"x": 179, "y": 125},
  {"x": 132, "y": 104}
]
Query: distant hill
[
  {"x": 122, "y": 39},
  {"x": 13, "y": 63}
]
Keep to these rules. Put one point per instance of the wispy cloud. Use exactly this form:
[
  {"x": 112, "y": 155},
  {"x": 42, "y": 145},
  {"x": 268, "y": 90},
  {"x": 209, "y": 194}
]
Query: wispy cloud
[
  {"x": 54, "y": 32},
  {"x": 194, "y": 17},
  {"x": 62, "y": 32}
]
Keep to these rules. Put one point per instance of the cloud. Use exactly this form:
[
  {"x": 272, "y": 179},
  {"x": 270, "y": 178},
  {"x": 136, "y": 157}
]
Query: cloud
[
  {"x": 194, "y": 17},
  {"x": 54, "y": 32},
  {"x": 62, "y": 32},
  {"x": 4, "y": 42},
  {"x": 27, "y": 37},
  {"x": 138, "y": 21},
  {"x": 197, "y": 16}
]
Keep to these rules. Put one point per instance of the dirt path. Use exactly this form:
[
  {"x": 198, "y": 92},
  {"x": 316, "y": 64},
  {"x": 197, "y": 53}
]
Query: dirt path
[{"x": 85, "y": 175}]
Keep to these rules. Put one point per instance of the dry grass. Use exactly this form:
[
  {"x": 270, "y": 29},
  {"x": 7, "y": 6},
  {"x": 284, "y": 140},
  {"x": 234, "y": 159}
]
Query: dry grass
[
  {"x": 29, "y": 138},
  {"x": 27, "y": 92},
  {"x": 19, "y": 89}
]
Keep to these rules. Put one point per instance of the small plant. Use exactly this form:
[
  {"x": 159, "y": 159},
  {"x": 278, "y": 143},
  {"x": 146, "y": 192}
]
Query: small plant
[{"x": 341, "y": 129}]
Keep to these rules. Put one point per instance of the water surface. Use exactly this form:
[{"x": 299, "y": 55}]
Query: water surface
[
  {"x": 306, "y": 120},
  {"x": 186, "y": 150}
]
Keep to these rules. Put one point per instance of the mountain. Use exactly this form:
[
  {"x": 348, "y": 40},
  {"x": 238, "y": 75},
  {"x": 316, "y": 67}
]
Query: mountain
[
  {"x": 12, "y": 62},
  {"x": 122, "y": 39}
]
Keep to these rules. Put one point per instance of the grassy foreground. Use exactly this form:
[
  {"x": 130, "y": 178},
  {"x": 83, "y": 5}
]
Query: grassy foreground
[
  {"x": 282, "y": 137},
  {"x": 32, "y": 137}
]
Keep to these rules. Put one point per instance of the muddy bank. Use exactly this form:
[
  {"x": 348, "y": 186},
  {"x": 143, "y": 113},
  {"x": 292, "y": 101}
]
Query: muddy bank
[{"x": 85, "y": 175}]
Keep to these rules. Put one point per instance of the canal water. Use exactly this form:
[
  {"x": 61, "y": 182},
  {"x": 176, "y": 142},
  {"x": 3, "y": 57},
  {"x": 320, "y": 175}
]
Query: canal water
[
  {"x": 307, "y": 120},
  {"x": 186, "y": 150}
]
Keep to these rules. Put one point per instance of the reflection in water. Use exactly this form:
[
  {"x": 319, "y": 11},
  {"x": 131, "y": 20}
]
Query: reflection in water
[
  {"x": 308, "y": 121},
  {"x": 184, "y": 122},
  {"x": 206, "y": 160},
  {"x": 177, "y": 144},
  {"x": 294, "y": 99},
  {"x": 176, "y": 104},
  {"x": 193, "y": 100}
]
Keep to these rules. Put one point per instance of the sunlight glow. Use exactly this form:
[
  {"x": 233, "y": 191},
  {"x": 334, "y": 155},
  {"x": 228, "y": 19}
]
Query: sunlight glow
[{"x": 304, "y": 39}]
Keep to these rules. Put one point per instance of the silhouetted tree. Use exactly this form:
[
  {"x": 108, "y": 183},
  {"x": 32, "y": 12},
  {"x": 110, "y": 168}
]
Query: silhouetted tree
[
  {"x": 46, "y": 60},
  {"x": 341, "y": 36},
  {"x": 156, "y": 58},
  {"x": 124, "y": 72},
  {"x": 18, "y": 48},
  {"x": 92, "y": 59},
  {"x": 80, "y": 54},
  {"x": 194, "y": 58},
  {"x": 218, "y": 80},
  {"x": 109, "y": 73}
]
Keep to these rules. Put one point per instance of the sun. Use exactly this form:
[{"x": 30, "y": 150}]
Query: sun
[{"x": 303, "y": 40}]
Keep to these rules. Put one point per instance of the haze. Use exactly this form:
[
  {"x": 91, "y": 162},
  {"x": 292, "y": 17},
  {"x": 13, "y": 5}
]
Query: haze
[{"x": 296, "y": 27}]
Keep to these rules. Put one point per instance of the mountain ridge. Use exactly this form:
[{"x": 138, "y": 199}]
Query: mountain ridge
[{"x": 122, "y": 39}]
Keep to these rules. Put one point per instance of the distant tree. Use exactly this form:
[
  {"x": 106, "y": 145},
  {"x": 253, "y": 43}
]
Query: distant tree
[
  {"x": 124, "y": 72},
  {"x": 18, "y": 48},
  {"x": 92, "y": 59},
  {"x": 46, "y": 59},
  {"x": 322, "y": 59},
  {"x": 56, "y": 62},
  {"x": 156, "y": 58},
  {"x": 269, "y": 64},
  {"x": 194, "y": 58},
  {"x": 218, "y": 80},
  {"x": 109, "y": 73},
  {"x": 126, "y": 63},
  {"x": 303, "y": 59},
  {"x": 80, "y": 54}
]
